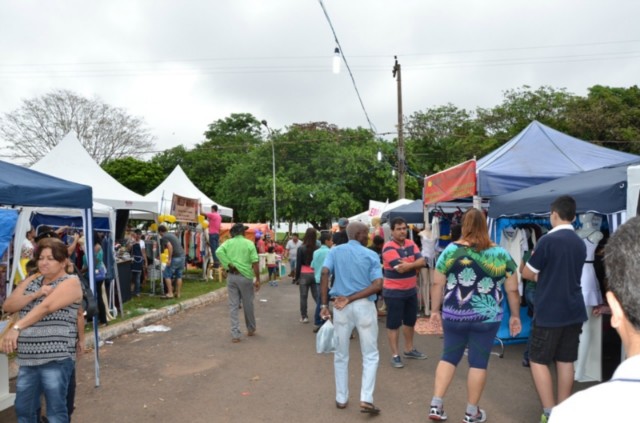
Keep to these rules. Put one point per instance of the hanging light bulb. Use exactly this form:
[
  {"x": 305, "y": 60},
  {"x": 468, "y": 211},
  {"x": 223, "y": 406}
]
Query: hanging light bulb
[
  {"x": 336, "y": 61},
  {"x": 393, "y": 172},
  {"x": 379, "y": 155}
]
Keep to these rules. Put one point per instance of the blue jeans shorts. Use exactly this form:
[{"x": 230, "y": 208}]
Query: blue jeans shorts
[
  {"x": 477, "y": 336},
  {"x": 174, "y": 269}
]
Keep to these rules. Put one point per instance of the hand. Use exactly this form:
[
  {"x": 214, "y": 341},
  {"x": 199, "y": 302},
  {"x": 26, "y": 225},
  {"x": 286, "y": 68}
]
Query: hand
[
  {"x": 601, "y": 309},
  {"x": 402, "y": 267},
  {"x": 45, "y": 290},
  {"x": 10, "y": 341},
  {"x": 79, "y": 349},
  {"x": 256, "y": 284},
  {"x": 515, "y": 326},
  {"x": 325, "y": 314},
  {"x": 340, "y": 302},
  {"x": 436, "y": 318}
]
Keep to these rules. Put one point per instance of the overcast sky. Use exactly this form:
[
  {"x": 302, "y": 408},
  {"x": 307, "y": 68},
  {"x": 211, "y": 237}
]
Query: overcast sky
[{"x": 184, "y": 64}]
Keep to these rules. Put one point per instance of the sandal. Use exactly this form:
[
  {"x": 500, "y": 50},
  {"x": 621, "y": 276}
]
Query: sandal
[
  {"x": 341, "y": 405},
  {"x": 167, "y": 297},
  {"x": 368, "y": 408}
]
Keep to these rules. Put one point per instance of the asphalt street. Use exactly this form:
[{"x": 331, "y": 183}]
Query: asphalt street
[{"x": 194, "y": 373}]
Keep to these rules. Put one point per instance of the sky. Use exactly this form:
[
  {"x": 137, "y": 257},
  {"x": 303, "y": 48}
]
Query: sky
[{"x": 181, "y": 65}]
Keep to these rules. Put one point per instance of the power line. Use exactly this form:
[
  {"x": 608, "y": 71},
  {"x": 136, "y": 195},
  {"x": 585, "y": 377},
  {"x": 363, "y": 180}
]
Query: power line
[{"x": 353, "y": 80}]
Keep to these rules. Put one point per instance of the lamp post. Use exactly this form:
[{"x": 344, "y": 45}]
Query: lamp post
[{"x": 273, "y": 167}]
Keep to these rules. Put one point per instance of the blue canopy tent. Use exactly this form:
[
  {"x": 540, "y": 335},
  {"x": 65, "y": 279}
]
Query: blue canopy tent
[
  {"x": 20, "y": 186},
  {"x": 540, "y": 154},
  {"x": 412, "y": 212}
]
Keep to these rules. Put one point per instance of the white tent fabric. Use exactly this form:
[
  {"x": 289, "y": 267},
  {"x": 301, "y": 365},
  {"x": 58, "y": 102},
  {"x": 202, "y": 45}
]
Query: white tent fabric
[
  {"x": 70, "y": 161},
  {"x": 179, "y": 183},
  {"x": 376, "y": 208}
]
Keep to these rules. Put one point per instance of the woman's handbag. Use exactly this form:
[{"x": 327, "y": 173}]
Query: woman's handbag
[{"x": 325, "y": 342}]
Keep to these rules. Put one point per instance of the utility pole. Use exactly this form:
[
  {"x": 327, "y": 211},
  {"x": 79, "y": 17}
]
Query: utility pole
[{"x": 401, "y": 160}]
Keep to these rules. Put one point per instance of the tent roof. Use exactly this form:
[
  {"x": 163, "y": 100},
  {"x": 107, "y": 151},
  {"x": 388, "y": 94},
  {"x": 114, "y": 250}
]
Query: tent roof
[
  {"x": 70, "y": 161},
  {"x": 179, "y": 183},
  {"x": 539, "y": 154},
  {"x": 602, "y": 190},
  {"x": 26, "y": 187},
  {"x": 412, "y": 212}
]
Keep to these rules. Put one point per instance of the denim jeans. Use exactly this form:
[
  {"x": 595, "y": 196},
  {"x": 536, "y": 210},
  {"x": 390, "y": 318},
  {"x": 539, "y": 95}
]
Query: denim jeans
[
  {"x": 362, "y": 315},
  {"x": 137, "y": 276},
  {"x": 52, "y": 379},
  {"x": 307, "y": 283},
  {"x": 214, "y": 242},
  {"x": 317, "y": 320},
  {"x": 529, "y": 296}
]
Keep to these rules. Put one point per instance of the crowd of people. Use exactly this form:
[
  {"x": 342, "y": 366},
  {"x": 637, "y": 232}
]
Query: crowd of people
[{"x": 348, "y": 272}]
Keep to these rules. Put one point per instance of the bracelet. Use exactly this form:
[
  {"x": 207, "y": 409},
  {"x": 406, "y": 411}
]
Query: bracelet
[{"x": 323, "y": 306}]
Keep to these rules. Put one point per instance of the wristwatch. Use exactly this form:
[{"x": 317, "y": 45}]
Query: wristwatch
[
  {"x": 16, "y": 328},
  {"x": 323, "y": 306}
]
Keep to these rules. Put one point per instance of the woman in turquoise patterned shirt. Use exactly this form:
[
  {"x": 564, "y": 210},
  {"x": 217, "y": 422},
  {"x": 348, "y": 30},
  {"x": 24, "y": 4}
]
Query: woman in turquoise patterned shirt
[{"x": 468, "y": 284}]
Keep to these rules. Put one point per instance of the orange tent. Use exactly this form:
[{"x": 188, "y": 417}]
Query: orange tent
[{"x": 225, "y": 229}]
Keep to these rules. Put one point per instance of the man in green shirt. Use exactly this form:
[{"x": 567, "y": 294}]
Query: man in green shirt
[{"x": 240, "y": 258}]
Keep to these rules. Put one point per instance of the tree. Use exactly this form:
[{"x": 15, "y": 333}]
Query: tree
[
  {"x": 138, "y": 176},
  {"x": 445, "y": 136},
  {"x": 608, "y": 116},
  {"x": 105, "y": 131},
  {"x": 522, "y": 106}
]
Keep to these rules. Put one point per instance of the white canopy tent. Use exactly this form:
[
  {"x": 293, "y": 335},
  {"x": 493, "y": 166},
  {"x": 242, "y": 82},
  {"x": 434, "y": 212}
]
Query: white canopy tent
[
  {"x": 376, "y": 208},
  {"x": 179, "y": 183},
  {"x": 70, "y": 161}
]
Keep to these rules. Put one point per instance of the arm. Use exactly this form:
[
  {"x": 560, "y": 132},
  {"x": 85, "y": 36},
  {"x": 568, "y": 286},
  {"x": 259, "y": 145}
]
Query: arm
[
  {"x": 17, "y": 300},
  {"x": 256, "y": 274},
  {"x": 170, "y": 249},
  {"x": 64, "y": 294},
  {"x": 437, "y": 286},
  {"x": 324, "y": 294},
  {"x": 528, "y": 273},
  {"x": 375, "y": 287},
  {"x": 406, "y": 267},
  {"x": 513, "y": 296},
  {"x": 299, "y": 259}
]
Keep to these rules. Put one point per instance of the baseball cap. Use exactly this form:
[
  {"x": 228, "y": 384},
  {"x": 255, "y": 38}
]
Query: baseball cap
[{"x": 343, "y": 222}]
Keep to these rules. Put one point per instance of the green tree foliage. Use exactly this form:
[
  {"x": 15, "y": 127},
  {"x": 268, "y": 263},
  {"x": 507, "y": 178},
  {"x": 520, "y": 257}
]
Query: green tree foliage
[
  {"x": 522, "y": 106},
  {"x": 444, "y": 136},
  {"x": 139, "y": 176},
  {"x": 322, "y": 173},
  {"x": 608, "y": 116}
]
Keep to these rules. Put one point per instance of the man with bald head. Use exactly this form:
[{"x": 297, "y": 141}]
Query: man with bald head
[{"x": 358, "y": 278}]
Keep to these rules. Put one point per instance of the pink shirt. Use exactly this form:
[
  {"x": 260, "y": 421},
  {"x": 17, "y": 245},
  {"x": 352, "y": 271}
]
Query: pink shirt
[{"x": 214, "y": 222}]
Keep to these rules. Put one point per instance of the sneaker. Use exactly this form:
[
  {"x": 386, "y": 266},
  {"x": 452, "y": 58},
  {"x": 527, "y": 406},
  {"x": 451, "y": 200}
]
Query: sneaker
[
  {"x": 437, "y": 413},
  {"x": 544, "y": 418},
  {"x": 396, "y": 362},
  {"x": 415, "y": 354},
  {"x": 304, "y": 320},
  {"x": 525, "y": 362},
  {"x": 480, "y": 417}
]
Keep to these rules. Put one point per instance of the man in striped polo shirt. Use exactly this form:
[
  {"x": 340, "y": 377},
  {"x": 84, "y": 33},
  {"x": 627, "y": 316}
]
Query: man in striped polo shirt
[{"x": 401, "y": 260}]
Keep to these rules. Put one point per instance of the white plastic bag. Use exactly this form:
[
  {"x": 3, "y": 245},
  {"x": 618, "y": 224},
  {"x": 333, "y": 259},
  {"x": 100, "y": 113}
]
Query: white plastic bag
[{"x": 325, "y": 342}]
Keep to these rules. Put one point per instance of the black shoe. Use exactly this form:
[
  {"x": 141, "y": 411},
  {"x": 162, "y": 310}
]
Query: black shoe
[{"x": 525, "y": 362}]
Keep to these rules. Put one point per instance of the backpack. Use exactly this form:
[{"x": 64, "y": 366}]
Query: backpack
[{"x": 89, "y": 303}]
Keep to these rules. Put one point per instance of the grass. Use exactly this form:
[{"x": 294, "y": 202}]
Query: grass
[{"x": 192, "y": 286}]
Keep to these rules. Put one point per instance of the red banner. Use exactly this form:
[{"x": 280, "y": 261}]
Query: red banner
[{"x": 456, "y": 182}]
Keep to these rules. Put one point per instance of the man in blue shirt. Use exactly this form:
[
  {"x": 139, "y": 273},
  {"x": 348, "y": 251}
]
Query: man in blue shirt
[
  {"x": 559, "y": 310},
  {"x": 358, "y": 278}
]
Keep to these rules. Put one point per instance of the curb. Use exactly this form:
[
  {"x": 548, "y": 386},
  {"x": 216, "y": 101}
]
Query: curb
[{"x": 131, "y": 325}]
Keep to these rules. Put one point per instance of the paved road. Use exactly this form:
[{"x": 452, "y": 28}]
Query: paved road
[{"x": 193, "y": 373}]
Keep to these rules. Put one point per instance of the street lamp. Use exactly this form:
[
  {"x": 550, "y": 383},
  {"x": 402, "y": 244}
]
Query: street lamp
[{"x": 273, "y": 166}]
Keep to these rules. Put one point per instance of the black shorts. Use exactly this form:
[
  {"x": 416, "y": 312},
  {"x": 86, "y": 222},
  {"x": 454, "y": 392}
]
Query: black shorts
[
  {"x": 554, "y": 344},
  {"x": 401, "y": 311}
]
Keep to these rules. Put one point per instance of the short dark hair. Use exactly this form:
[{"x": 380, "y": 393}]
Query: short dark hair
[
  {"x": 138, "y": 231},
  {"x": 214, "y": 207},
  {"x": 162, "y": 229},
  {"x": 565, "y": 206},
  {"x": 378, "y": 240},
  {"x": 622, "y": 261},
  {"x": 324, "y": 237},
  {"x": 397, "y": 221}
]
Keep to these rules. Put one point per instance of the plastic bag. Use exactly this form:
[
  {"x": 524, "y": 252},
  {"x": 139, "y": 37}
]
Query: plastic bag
[{"x": 325, "y": 342}]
